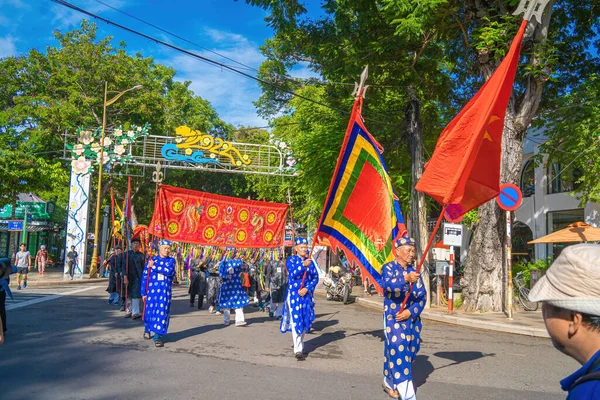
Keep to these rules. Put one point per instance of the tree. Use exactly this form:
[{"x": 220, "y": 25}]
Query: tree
[
  {"x": 44, "y": 96},
  {"x": 573, "y": 133},
  {"x": 447, "y": 49}
]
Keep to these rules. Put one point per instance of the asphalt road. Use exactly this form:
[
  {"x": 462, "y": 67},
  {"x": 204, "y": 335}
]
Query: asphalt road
[{"x": 72, "y": 345}]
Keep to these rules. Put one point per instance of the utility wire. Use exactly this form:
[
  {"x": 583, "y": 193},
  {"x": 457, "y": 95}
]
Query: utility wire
[
  {"x": 174, "y": 35},
  {"x": 286, "y": 77},
  {"x": 209, "y": 61}
]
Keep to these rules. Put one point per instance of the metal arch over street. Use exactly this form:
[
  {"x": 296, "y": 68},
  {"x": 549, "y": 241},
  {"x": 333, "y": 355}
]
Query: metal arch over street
[{"x": 195, "y": 151}]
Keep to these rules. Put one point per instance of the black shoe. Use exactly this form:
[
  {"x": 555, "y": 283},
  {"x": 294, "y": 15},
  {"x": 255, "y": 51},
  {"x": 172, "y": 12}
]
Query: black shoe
[
  {"x": 271, "y": 314},
  {"x": 299, "y": 357},
  {"x": 191, "y": 304},
  {"x": 122, "y": 308}
]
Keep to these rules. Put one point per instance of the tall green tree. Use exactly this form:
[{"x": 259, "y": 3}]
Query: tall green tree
[
  {"x": 45, "y": 95},
  {"x": 446, "y": 49}
]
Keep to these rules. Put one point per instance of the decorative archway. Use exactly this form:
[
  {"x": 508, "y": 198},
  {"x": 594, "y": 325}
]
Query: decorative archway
[{"x": 132, "y": 147}]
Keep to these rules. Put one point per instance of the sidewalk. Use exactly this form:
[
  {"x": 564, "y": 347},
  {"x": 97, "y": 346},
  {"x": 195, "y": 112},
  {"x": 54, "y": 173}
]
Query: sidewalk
[
  {"x": 529, "y": 323},
  {"x": 52, "y": 277}
]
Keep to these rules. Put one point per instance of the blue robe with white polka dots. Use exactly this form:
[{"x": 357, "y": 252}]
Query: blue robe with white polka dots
[
  {"x": 232, "y": 294},
  {"x": 402, "y": 339},
  {"x": 158, "y": 294},
  {"x": 301, "y": 309}
]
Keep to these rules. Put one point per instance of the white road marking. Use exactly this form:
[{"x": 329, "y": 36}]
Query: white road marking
[{"x": 48, "y": 298}]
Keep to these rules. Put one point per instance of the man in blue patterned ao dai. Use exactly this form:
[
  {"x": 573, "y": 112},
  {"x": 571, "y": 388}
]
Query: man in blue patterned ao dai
[
  {"x": 156, "y": 284},
  {"x": 402, "y": 329},
  {"x": 232, "y": 294},
  {"x": 299, "y": 309}
]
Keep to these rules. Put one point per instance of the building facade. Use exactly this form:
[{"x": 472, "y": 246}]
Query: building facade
[
  {"x": 40, "y": 229},
  {"x": 548, "y": 203}
]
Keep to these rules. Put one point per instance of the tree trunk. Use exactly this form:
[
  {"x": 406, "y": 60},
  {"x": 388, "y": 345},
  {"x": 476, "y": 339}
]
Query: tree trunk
[
  {"x": 485, "y": 277},
  {"x": 418, "y": 206}
]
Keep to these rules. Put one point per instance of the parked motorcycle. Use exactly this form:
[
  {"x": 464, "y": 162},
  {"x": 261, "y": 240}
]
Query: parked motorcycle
[{"x": 338, "y": 284}]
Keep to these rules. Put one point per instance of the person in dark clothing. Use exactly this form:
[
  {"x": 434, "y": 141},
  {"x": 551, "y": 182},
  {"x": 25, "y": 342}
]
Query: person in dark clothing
[
  {"x": 6, "y": 268},
  {"x": 197, "y": 282},
  {"x": 72, "y": 261},
  {"x": 214, "y": 286},
  {"x": 131, "y": 268},
  {"x": 275, "y": 284},
  {"x": 111, "y": 264}
]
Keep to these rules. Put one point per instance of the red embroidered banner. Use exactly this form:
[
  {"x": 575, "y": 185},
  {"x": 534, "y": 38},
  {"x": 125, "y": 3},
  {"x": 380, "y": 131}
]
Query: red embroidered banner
[{"x": 189, "y": 216}]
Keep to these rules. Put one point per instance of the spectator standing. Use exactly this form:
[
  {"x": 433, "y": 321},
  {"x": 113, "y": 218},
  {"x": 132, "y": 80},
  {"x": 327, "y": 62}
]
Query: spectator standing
[
  {"x": 41, "y": 259},
  {"x": 23, "y": 263},
  {"x": 72, "y": 257}
]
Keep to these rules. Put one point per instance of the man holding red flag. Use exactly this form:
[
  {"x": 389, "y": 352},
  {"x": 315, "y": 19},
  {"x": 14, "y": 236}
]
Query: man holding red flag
[{"x": 402, "y": 327}]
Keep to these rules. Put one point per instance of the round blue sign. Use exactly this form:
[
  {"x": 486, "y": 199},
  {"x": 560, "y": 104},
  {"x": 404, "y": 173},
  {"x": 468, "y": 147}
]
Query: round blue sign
[{"x": 510, "y": 197}]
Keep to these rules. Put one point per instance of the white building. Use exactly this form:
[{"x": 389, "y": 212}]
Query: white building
[{"x": 548, "y": 204}]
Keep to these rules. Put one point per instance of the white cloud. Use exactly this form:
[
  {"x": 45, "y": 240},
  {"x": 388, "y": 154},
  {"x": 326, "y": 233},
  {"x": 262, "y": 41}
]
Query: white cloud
[
  {"x": 67, "y": 18},
  {"x": 7, "y": 46},
  {"x": 15, "y": 3},
  {"x": 231, "y": 94}
]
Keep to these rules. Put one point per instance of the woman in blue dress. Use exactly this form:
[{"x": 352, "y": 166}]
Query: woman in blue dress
[
  {"x": 231, "y": 294},
  {"x": 157, "y": 281}
]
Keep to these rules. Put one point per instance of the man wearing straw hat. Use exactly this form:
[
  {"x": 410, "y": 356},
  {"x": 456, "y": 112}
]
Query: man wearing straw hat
[
  {"x": 402, "y": 328},
  {"x": 299, "y": 308},
  {"x": 157, "y": 281},
  {"x": 570, "y": 296}
]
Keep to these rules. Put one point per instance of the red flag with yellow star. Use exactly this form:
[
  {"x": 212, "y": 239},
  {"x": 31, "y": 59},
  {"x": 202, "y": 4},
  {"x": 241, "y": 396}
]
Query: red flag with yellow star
[{"x": 464, "y": 171}]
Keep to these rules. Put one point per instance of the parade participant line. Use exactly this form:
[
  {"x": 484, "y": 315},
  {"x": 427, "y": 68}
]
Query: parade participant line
[{"x": 48, "y": 298}]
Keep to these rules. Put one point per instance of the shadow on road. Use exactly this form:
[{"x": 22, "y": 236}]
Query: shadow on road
[
  {"x": 323, "y": 340},
  {"x": 198, "y": 330},
  {"x": 421, "y": 370},
  {"x": 377, "y": 333},
  {"x": 460, "y": 357}
]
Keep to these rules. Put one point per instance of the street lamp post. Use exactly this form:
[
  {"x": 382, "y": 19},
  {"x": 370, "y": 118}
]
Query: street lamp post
[{"x": 94, "y": 266}]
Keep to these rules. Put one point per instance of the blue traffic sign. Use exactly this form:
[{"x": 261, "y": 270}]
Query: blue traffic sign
[{"x": 15, "y": 225}]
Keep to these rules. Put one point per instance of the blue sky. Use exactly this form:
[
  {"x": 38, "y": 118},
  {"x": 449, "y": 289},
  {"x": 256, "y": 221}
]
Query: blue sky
[{"x": 232, "y": 28}]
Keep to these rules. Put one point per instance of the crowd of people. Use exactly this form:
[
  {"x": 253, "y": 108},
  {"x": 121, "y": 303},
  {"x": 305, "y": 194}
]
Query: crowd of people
[{"x": 142, "y": 287}]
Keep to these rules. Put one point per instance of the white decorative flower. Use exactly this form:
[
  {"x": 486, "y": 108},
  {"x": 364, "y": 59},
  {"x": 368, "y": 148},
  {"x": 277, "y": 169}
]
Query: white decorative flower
[
  {"x": 81, "y": 165},
  {"x": 282, "y": 145},
  {"x": 105, "y": 157},
  {"x": 118, "y": 132},
  {"x": 78, "y": 149},
  {"x": 85, "y": 137},
  {"x": 107, "y": 142},
  {"x": 139, "y": 128},
  {"x": 119, "y": 149},
  {"x": 95, "y": 147},
  {"x": 130, "y": 133},
  {"x": 124, "y": 141}
]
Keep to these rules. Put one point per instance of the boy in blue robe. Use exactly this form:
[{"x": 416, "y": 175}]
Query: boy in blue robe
[
  {"x": 402, "y": 330},
  {"x": 156, "y": 284},
  {"x": 299, "y": 308},
  {"x": 231, "y": 294}
]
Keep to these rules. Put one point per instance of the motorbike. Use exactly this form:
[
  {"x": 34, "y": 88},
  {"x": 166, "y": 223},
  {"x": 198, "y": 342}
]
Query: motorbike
[{"x": 338, "y": 284}]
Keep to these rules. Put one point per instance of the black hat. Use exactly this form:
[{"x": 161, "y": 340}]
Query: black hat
[
  {"x": 117, "y": 247},
  {"x": 134, "y": 240},
  {"x": 5, "y": 267}
]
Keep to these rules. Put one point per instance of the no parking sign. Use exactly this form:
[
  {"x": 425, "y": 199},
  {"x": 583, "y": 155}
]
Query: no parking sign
[{"x": 510, "y": 197}]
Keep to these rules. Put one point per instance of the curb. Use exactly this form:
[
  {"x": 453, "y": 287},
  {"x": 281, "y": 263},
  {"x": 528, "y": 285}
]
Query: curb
[{"x": 460, "y": 321}]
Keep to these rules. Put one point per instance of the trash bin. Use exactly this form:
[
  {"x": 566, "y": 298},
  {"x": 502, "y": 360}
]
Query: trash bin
[{"x": 534, "y": 276}]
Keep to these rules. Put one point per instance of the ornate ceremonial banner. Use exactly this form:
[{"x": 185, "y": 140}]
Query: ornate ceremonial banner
[{"x": 189, "y": 216}]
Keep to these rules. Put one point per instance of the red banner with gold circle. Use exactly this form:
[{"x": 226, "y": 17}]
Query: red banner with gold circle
[{"x": 189, "y": 216}]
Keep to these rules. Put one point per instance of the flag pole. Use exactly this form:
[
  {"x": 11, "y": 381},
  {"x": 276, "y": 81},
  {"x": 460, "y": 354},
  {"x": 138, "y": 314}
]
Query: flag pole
[{"x": 435, "y": 229}]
